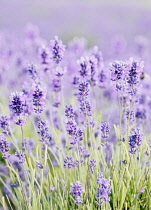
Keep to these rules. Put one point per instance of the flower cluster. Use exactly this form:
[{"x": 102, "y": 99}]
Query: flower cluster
[
  {"x": 43, "y": 131},
  {"x": 92, "y": 165},
  {"x": 38, "y": 99},
  {"x": 57, "y": 50},
  {"x": 21, "y": 156},
  {"x": 4, "y": 124},
  {"x": 4, "y": 146},
  {"x": 103, "y": 190},
  {"x": 105, "y": 129},
  {"x": 135, "y": 140},
  {"x": 76, "y": 189}
]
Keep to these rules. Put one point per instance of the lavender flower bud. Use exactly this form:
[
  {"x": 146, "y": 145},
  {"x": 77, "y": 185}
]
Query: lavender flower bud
[{"x": 57, "y": 50}]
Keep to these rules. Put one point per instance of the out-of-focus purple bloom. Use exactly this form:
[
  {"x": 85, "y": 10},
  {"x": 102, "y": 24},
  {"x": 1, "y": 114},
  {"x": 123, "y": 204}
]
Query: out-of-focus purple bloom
[
  {"x": 79, "y": 134},
  {"x": 59, "y": 72},
  {"x": 38, "y": 98},
  {"x": 15, "y": 184},
  {"x": 71, "y": 127},
  {"x": 83, "y": 89},
  {"x": 98, "y": 55},
  {"x": 75, "y": 81},
  {"x": 135, "y": 69},
  {"x": 84, "y": 152},
  {"x": 32, "y": 70},
  {"x": 21, "y": 156},
  {"x": 124, "y": 162},
  {"x": 140, "y": 114},
  {"x": 135, "y": 140},
  {"x": 4, "y": 146},
  {"x": 75, "y": 133},
  {"x": 44, "y": 55},
  {"x": 32, "y": 31},
  {"x": 4, "y": 124},
  {"x": 102, "y": 78},
  {"x": 76, "y": 189},
  {"x": 52, "y": 188},
  {"x": 103, "y": 190},
  {"x": 46, "y": 136},
  {"x": 28, "y": 144},
  {"x": 92, "y": 165},
  {"x": 56, "y": 85},
  {"x": 77, "y": 45},
  {"x": 69, "y": 113},
  {"x": 85, "y": 68},
  {"x": 93, "y": 70},
  {"x": 57, "y": 50},
  {"x": 68, "y": 162},
  {"x": 117, "y": 70},
  {"x": 85, "y": 107},
  {"x": 142, "y": 190},
  {"x": 17, "y": 103},
  {"x": 39, "y": 165},
  {"x": 105, "y": 129}
]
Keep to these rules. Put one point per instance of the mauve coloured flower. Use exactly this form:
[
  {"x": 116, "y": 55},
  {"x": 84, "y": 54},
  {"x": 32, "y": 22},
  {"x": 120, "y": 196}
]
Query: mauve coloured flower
[
  {"x": 57, "y": 50},
  {"x": 135, "y": 140},
  {"x": 52, "y": 188},
  {"x": 4, "y": 145},
  {"x": 21, "y": 156},
  {"x": 17, "y": 103},
  {"x": 76, "y": 189},
  {"x": 38, "y": 95},
  {"x": 4, "y": 124},
  {"x": 68, "y": 162},
  {"x": 105, "y": 129},
  {"x": 103, "y": 190}
]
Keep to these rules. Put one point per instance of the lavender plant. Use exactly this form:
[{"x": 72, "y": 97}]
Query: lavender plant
[{"x": 67, "y": 121}]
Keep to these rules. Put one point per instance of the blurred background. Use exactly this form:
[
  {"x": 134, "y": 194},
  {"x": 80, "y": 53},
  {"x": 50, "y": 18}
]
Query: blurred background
[{"x": 96, "y": 20}]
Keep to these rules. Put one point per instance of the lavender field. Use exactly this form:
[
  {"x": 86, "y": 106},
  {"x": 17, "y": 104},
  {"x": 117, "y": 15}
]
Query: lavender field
[{"x": 75, "y": 105}]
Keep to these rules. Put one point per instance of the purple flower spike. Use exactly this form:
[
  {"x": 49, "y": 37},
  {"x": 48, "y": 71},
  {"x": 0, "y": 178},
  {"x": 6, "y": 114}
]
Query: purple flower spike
[
  {"x": 38, "y": 99},
  {"x": 76, "y": 189},
  {"x": 17, "y": 103},
  {"x": 20, "y": 155},
  {"x": 105, "y": 129},
  {"x": 103, "y": 190},
  {"x": 135, "y": 140},
  {"x": 57, "y": 50}
]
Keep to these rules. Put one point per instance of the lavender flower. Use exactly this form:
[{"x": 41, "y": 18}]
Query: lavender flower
[
  {"x": 76, "y": 189},
  {"x": 135, "y": 69},
  {"x": 83, "y": 89},
  {"x": 135, "y": 140},
  {"x": 57, "y": 50},
  {"x": 44, "y": 55},
  {"x": 4, "y": 146},
  {"x": 17, "y": 103},
  {"x": 20, "y": 155},
  {"x": 56, "y": 85},
  {"x": 103, "y": 190},
  {"x": 39, "y": 165},
  {"x": 98, "y": 55},
  {"x": 38, "y": 99},
  {"x": 52, "y": 188},
  {"x": 4, "y": 124},
  {"x": 46, "y": 136},
  {"x": 85, "y": 68},
  {"x": 68, "y": 162},
  {"x": 117, "y": 70},
  {"x": 69, "y": 113},
  {"x": 105, "y": 129},
  {"x": 92, "y": 165},
  {"x": 32, "y": 70},
  {"x": 28, "y": 144}
]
